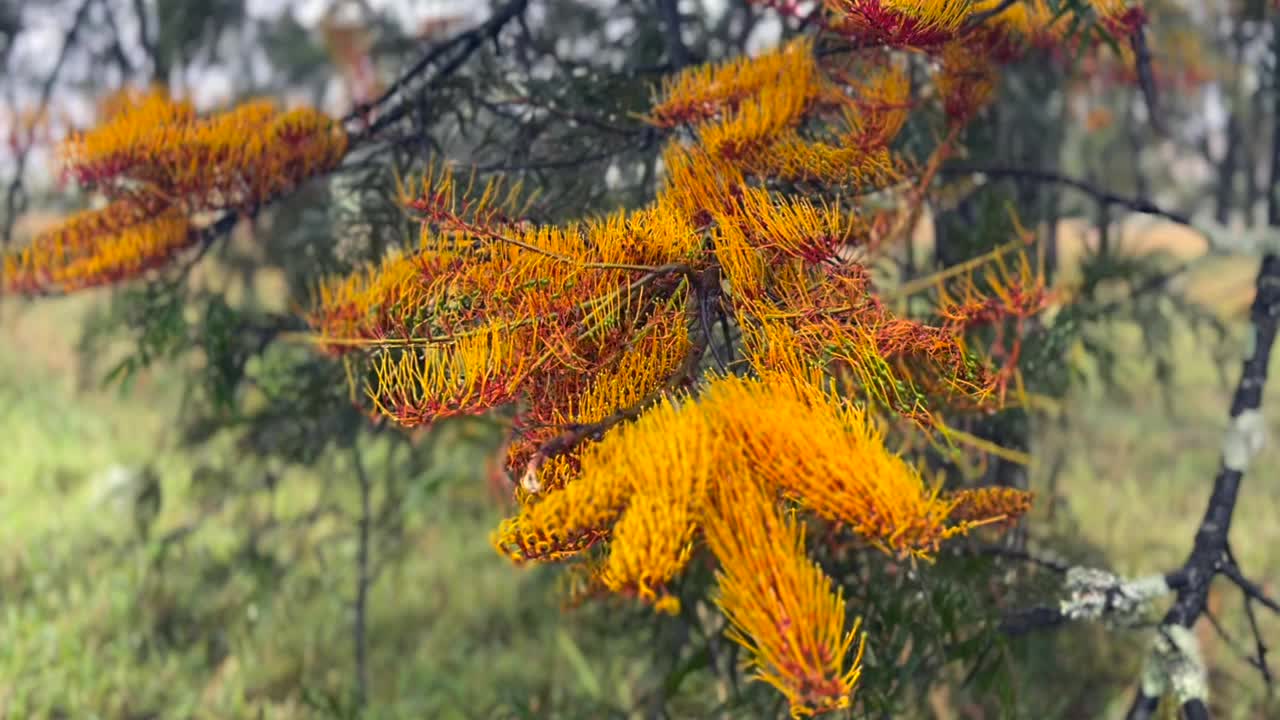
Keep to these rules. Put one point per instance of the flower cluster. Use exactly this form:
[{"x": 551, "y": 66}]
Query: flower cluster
[
  {"x": 160, "y": 165},
  {"x": 230, "y": 160},
  {"x": 970, "y": 38},
  {"x": 626, "y": 457}
]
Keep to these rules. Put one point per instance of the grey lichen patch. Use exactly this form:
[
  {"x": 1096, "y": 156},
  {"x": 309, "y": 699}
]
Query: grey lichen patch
[
  {"x": 1100, "y": 595},
  {"x": 1177, "y": 652},
  {"x": 1154, "y": 680},
  {"x": 1244, "y": 439}
]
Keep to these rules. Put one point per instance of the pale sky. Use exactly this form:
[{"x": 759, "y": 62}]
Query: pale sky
[{"x": 408, "y": 12}]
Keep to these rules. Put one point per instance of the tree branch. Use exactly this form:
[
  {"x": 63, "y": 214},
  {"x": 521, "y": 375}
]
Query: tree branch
[
  {"x": 1136, "y": 204},
  {"x": 465, "y": 43},
  {"x": 469, "y": 40},
  {"x": 1210, "y": 553},
  {"x": 1146, "y": 77},
  {"x": 1174, "y": 663}
]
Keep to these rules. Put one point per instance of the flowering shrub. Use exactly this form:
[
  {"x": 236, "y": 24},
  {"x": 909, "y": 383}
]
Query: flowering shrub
[
  {"x": 638, "y": 448},
  {"x": 761, "y": 221}
]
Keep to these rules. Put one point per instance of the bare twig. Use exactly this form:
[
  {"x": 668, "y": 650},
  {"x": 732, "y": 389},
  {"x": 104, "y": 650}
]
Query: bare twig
[
  {"x": 1273, "y": 202},
  {"x": 117, "y": 49},
  {"x": 1250, "y": 589},
  {"x": 709, "y": 296},
  {"x": 1231, "y": 641},
  {"x": 462, "y": 45},
  {"x": 1136, "y": 204},
  {"x": 1259, "y": 645},
  {"x": 1146, "y": 78}
]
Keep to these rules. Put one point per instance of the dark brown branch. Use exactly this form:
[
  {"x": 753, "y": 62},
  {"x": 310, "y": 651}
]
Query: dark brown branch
[
  {"x": 1030, "y": 620},
  {"x": 1106, "y": 197},
  {"x": 1146, "y": 78},
  {"x": 1043, "y": 561},
  {"x": 117, "y": 49},
  {"x": 1210, "y": 554},
  {"x": 709, "y": 296},
  {"x": 1273, "y": 199},
  {"x": 648, "y": 139},
  {"x": 464, "y": 43},
  {"x": 145, "y": 39},
  {"x": 1136, "y": 204}
]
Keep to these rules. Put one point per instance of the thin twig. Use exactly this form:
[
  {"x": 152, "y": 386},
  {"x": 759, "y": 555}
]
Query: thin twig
[
  {"x": 1013, "y": 173},
  {"x": 1146, "y": 78},
  {"x": 1250, "y": 589},
  {"x": 465, "y": 43},
  {"x": 1230, "y": 640},
  {"x": 1209, "y": 555},
  {"x": 1043, "y": 561},
  {"x": 1259, "y": 645}
]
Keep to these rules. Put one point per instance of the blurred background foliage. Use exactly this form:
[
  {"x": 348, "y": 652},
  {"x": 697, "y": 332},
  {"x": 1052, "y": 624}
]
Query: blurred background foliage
[{"x": 186, "y": 496}]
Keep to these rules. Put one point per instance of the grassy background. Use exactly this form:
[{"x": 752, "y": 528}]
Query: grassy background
[
  {"x": 91, "y": 628},
  {"x": 95, "y": 626}
]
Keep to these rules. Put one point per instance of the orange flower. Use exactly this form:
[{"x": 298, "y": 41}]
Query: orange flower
[
  {"x": 95, "y": 247},
  {"x": 238, "y": 158},
  {"x": 991, "y": 505},
  {"x": 705, "y": 92},
  {"x": 780, "y": 604},
  {"x": 900, "y": 23}
]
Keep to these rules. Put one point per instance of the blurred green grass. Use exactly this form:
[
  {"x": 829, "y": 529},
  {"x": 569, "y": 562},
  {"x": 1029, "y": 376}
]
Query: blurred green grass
[
  {"x": 91, "y": 628},
  {"x": 1137, "y": 472}
]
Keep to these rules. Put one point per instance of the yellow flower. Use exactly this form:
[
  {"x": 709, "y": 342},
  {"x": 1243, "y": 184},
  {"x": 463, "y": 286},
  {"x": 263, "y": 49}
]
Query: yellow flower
[
  {"x": 780, "y": 604},
  {"x": 237, "y": 158},
  {"x": 707, "y": 91}
]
